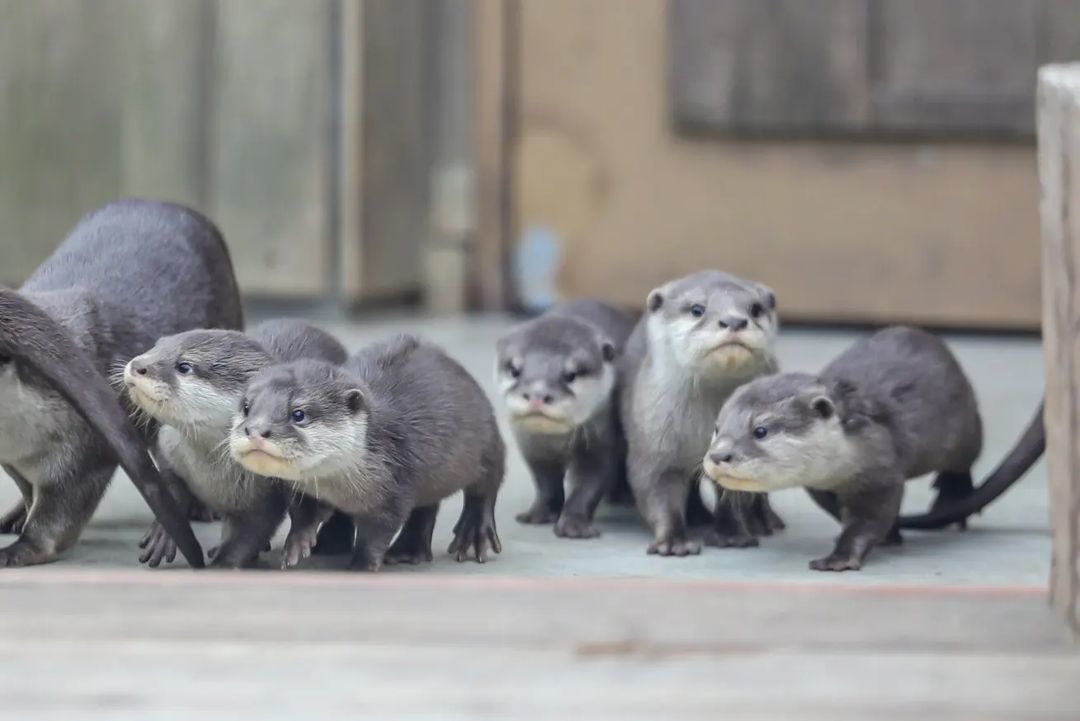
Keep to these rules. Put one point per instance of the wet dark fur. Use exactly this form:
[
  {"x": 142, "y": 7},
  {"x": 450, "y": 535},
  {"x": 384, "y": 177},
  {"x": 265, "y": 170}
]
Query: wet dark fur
[
  {"x": 128, "y": 273},
  {"x": 431, "y": 432},
  {"x": 593, "y": 453}
]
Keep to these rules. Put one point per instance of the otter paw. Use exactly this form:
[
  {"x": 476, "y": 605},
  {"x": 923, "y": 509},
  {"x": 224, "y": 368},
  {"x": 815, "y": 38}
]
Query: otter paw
[
  {"x": 298, "y": 546},
  {"x": 24, "y": 553},
  {"x": 833, "y": 562},
  {"x": 674, "y": 547},
  {"x": 157, "y": 546},
  {"x": 13, "y": 520},
  {"x": 408, "y": 550},
  {"x": 364, "y": 563},
  {"x": 729, "y": 540},
  {"x": 475, "y": 541},
  {"x": 773, "y": 521},
  {"x": 537, "y": 516},
  {"x": 573, "y": 527}
]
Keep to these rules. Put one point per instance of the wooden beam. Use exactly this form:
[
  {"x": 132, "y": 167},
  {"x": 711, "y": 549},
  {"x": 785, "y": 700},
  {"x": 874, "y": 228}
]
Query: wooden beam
[
  {"x": 1059, "y": 172},
  {"x": 495, "y": 100}
]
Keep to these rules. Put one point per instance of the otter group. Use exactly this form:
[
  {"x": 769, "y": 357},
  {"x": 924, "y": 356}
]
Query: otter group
[{"x": 126, "y": 347}]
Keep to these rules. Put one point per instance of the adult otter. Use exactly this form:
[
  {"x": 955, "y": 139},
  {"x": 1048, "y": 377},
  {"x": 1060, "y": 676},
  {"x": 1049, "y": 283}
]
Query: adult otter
[
  {"x": 896, "y": 405},
  {"x": 128, "y": 273}
]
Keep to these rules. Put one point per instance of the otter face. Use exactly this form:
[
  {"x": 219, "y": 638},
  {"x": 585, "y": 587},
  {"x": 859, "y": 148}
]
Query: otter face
[
  {"x": 554, "y": 374},
  {"x": 300, "y": 421},
  {"x": 713, "y": 325},
  {"x": 778, "y": 432},
  {"x": 194, "y": 378}
]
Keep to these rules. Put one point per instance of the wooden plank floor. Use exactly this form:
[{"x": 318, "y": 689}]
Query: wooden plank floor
[{"x": 121, "y": 644}]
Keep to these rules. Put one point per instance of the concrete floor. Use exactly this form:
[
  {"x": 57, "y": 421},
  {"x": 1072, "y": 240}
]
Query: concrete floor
[
  {"x": 1008, "y": 545},
  {"x": 950, "y": 625}
]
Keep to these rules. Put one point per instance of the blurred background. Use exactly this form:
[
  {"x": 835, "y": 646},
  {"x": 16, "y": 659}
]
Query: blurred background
[{"x": 872, "y": 160}]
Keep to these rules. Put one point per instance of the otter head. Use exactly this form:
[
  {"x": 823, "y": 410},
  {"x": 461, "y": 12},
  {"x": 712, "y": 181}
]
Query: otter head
[
  {"x": 554, "y": 373},
  {"x": 194, "y": 378},
  {"x": 781, "y": 431},
  {"x": 713, "y": 325},
  {"x": 301, "y": 421}
]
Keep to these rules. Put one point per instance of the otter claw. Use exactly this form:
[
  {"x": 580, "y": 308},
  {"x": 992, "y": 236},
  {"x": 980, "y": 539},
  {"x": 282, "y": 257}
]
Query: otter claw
[{"x": 674, "y": 547}]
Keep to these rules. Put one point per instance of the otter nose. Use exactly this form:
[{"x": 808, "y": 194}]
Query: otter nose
[
  {"x": 138, "y": 366},
  {"x": 734, "y": 322},
  {"x": 259, "y": 431},
  {"x": 537, "y": 400},
  {"x": 720, "y": 457}
]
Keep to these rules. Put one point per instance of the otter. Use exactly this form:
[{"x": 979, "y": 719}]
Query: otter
[
  {"x": 384, "y": 438},
  {"x": 191, "y": 383},
  {"x": 557, "y": 377},
  {"x": 896, "y": 405},
  {"x": 701, "y": 337},
  {"x": 957, "y": 498},
  {"x": 128, "y": 273}
]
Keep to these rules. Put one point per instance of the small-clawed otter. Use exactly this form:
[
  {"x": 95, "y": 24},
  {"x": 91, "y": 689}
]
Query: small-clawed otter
[
  {"x": 894, "y": 406},
  {"x": 384, "y": 437},
  {"x": 557, "y": 376},
  {"x": 128, "y": 273},
  {"x": 191, "y": 384},
  {"x": 701, "y": 337}
]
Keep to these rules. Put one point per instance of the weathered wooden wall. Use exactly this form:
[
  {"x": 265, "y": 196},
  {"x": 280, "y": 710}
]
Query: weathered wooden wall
[
  {"x": 256, "y": 112},
  {"x": 940, "y": 232},
  {"x": 1059, "y": 171}
]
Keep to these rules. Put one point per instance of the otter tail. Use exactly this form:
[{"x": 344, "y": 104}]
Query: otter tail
[
  {"x": 30, "y": 335},
  {"x": 1022, "y": 457}
]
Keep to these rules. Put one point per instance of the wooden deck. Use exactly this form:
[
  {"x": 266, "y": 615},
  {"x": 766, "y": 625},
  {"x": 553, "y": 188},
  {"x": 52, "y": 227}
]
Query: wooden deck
[{"x": 121, "y": 644}]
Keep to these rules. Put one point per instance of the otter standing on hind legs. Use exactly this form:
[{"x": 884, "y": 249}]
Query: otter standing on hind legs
[
  {"x": 701, "y": 337},
  {"x": 385, "y": 438},
  {"x": 191, "y": 383},
  {"x": 128, "y": 273},
  {"x": 557, "y": 375},
  {"x": 894, "y": 406}
]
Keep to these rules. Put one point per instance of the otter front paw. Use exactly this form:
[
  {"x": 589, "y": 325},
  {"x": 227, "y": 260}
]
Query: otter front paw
[
  {"x": 25, "y": 553},
  {"x": 836, "y": 562},
  {"x": 413, "y": 550},
  {"x": 729, "y": 540},
  {"x": 674, "y": 546},
  {"x": 157, "y": 546},
  {"x": 474, "y": 538},
  {"x": 538, "y": 516},
  {"x": 298, "y": 545},
  {"x": 575, "y": 527}
]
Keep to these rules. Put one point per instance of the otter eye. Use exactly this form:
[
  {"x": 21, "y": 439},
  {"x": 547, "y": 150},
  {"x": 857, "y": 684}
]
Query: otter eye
[
  {"x": 760, "y": 432},
  {"x": 184, "y": 368},
  {"x": 513, "y": 370},
  {"x": 299, "y": 416},
  {"x": 756, "y": 310},
  {"x": 697, "y": 310},
  {"x": 569, "y": 377},
  {"x": 245, "y": 408}
]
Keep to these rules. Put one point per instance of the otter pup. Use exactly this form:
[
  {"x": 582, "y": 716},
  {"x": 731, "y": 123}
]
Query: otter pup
[
  {"x": 894, "y": 406},
  {"x": 191, "y": 383},
  {"x": 128, "y": 273},
  {"x": 701, "y": 337},
  {"x": 385, "y": 437},
  {"x": 557, "y": 377}
]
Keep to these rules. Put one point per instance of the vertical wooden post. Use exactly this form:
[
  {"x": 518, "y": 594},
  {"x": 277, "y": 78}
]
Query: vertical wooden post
[
  {"x": 1059, "y": 175},
  {"x": 494, "y": 36}
]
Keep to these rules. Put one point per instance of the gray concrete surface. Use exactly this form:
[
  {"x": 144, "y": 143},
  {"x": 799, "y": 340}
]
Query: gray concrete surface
[{"x": 1009, "y": 545}]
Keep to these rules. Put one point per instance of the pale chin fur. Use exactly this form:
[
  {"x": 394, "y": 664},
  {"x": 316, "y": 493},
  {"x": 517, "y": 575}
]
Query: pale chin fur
[
  {"x": 819, "y": 459},
  {"x": 260, "y": 463},
  {"x": 703, "y": 349}
]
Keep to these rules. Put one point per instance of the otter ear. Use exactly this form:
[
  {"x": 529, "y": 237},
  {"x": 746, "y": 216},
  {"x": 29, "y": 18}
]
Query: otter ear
[
  {"x": 655, "y": 300},
  {"x": 354, "y": 400},
  {"x": 768, "y": 295},
  {"x": 607, "y": 349}
]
